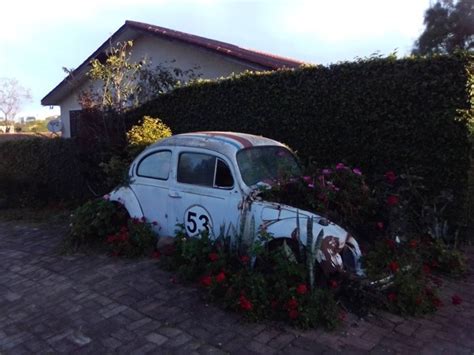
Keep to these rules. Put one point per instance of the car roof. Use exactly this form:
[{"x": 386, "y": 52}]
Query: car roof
[{"x": 227, "y": 143}]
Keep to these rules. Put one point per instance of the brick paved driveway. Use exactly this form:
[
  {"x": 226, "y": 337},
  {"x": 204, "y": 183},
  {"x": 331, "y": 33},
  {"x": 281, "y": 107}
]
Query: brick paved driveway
[{"x": 95, "y": 304}]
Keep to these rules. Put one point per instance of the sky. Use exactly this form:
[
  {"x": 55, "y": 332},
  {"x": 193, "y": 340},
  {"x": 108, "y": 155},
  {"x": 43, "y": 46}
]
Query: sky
[{"x": 39, "y": 38}]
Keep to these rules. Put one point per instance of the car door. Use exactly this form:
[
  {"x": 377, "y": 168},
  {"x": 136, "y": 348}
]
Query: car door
[
  {"x": 205, "y": 195},
  {"x": 151, "y": 185}
]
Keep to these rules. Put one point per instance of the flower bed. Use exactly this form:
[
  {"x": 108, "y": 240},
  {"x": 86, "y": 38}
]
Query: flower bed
[{"x": 406, "y": 241}]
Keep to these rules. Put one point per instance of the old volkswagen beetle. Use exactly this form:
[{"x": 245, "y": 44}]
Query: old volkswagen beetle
[{"x": 206, "y": 180}]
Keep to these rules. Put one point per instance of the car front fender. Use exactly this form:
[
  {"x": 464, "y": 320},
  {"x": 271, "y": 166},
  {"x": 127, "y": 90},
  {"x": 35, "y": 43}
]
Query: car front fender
[{"x": 126, "y": 197}]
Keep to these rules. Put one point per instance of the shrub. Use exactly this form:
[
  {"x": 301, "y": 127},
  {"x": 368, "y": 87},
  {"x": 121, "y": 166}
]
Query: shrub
[
  {"x": 92, "y": 222},
  {"x": 338, "y": 193},
  {"x": 38, "y": 171},
  {"x": 134, "y": 239},
  {"x": 275, "y": 289},
  {"x": 378, "y": 114},
  {"x": 149, "y": 131}
]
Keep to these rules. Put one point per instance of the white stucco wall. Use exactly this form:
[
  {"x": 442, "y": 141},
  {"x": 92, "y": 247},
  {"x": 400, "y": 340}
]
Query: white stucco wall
[{"x": 211, "y": 65}]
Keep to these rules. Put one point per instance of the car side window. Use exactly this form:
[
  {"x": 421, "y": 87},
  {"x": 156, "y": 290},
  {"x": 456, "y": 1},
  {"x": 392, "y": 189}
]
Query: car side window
[
  {"x": 224, "y": 177},
  {"x": 205, "y": 170},
  {"x": 155, "y": 165}
]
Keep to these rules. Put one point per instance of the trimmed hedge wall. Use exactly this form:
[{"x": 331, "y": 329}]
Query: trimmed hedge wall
[
  {"x": 379, "y": 114},
  {"x": 37, "y": 171}
]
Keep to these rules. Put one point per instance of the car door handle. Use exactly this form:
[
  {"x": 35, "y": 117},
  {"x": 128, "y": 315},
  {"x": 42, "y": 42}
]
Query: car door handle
[{"x": 174, "y": 194}]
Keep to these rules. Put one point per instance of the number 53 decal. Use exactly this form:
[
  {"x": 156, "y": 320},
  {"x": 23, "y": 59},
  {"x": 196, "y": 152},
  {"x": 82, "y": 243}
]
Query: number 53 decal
[{"x": 197, "y": 220}]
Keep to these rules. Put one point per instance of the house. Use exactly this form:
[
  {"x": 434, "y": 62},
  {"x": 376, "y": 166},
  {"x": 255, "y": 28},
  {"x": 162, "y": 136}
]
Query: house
[{"x": 214, "y": 59}]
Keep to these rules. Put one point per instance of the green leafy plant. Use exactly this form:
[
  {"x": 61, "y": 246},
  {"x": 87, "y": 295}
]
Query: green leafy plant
[
  {"x": 92, "y": 222},
  {"x": 345, "y": 112},
  {"x": 133, "y": 240},
  {"x": 148, "y": 131}
]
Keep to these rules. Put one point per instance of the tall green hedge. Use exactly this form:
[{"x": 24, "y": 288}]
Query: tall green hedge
[
  {"x": 38, "y": 171},
  {"x": 378, "y": 114}
]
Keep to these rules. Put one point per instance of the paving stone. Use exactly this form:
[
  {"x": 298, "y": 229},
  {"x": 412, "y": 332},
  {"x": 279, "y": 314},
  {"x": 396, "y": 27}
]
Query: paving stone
[
  {"x": 94, "y": 304},
  {"x": 156, "y": 338}
]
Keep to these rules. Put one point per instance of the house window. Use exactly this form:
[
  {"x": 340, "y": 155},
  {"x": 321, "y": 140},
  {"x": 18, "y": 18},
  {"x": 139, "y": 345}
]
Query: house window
[
  {"x": 205, "y": 170},
  {"x": 155, "y": 165}
]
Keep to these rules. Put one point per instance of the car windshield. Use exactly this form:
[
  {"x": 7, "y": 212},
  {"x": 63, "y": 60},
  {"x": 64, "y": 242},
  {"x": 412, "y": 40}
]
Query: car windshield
[{"x": 266, "y": 164}]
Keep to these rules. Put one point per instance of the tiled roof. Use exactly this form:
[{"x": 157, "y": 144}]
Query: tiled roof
[
  {"x": 265, "y": 61},
  {"x": 269, "y": 61}
]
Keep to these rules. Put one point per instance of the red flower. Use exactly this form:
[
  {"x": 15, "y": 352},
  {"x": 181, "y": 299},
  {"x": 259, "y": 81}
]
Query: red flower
[
  {"x": 456, "y": 299},
  {"x": 426, "y": 269},
  {"x": 392, "y": 200},
  {"x": 393, "y": 266},
  {"x": 135, "y": 220},
  {"x": 380, "y": 225},
  {"x": 111, "y": 239},
  {"x": 437, "y": 302},
  {"x": 274, "y": 304},
  {"x": 244, "y": 259},
  {"x": 333, "y": 284},
  {"x": 390, "y": 177},
  {"x": 419, "y": 301},
  {"x": 220, "y": 277},
  {"x": 292, "y": 303},
  {"x": 390, "y": 243},
  {"x": 434, "y": 264},
  {"x": 156, "y": 254},
  {"x": 392, "y": 297},
  {"x": 293, "y": 314},
  {"x": 206, "y": 281},
  {"x": 342, "y": 316},
  {"x": 213, "y": 257},
  {"x": 413, "y": 244},
  {"x": 302, "y": 289},
  {"x": 245, "y": 304}
]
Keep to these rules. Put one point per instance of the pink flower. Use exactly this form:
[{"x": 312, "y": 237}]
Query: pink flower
[
  {"x": 340, "y": 166},
  {"x": 380, "y": 225},
  {"x": 106, "y": 197},
  {"x": 390, "y": 177},
  {"x": 456, "y": 300},
  {"x": 311, "y": 186},
  {"x": 392, "y": 200},
  {"x": 327, "y": 171},
  {"x": 307, "y": 179},
  {"x": 357, "y": 171}
]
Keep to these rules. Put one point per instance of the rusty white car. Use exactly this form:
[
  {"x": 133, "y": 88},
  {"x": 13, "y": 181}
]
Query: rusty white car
[{"x": 206, "y": 180}]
